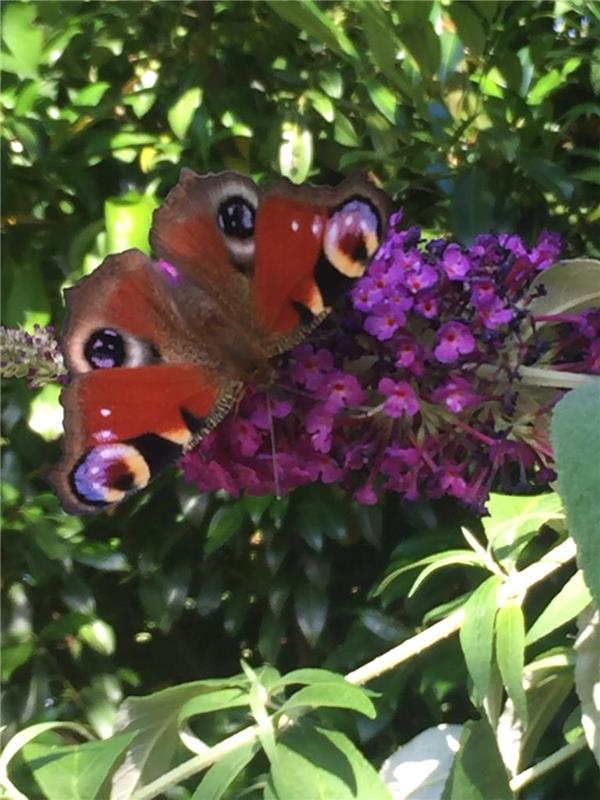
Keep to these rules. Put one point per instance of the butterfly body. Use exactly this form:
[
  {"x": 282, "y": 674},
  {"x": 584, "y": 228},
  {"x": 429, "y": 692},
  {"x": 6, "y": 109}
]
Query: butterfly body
[{"x": 159, "y": 350}]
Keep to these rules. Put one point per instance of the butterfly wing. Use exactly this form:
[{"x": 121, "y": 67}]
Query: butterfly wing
[
  {"x": 123, "y": 426},
  {"x": 143, "y": 388},
  {"x": 311, "y": 244}
]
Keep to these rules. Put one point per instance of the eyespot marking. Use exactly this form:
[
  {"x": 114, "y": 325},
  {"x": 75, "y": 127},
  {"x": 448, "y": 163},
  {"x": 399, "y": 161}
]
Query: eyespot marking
[
  {"x": 104, "y": 349},
  {"x": 107, "y": 472},
  {"x": 235, "y": 217},
  {"x": 351, "y": 237}
]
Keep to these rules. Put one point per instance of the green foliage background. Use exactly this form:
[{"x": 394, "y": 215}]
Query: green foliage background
[{"x": 474, "y": 115}]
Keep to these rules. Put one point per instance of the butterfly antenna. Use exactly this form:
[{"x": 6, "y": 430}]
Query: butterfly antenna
[{"x": 273, "y": 448}]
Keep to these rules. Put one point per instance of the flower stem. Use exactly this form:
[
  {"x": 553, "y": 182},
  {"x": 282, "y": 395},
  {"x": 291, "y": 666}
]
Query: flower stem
[{"x": 542, "y": 767}]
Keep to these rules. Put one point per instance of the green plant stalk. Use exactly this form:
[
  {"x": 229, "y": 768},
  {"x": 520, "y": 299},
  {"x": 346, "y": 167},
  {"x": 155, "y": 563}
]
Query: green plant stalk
[
  {"x": 516, "y": 585},
  {"x": 542, "y": 767}
]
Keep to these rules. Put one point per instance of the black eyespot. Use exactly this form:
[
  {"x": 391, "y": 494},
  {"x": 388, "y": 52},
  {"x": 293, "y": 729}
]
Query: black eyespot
[
  {"x": 236, "y": 217},
  {"x": 105, "y": 349}
]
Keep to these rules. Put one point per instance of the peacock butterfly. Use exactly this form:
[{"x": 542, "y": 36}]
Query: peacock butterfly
[{"x": 159, "y": 350}]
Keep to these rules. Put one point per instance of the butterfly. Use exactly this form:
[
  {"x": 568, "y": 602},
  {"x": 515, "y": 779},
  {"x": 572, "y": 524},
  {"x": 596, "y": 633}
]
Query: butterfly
[{"x": 159, "y": 350}]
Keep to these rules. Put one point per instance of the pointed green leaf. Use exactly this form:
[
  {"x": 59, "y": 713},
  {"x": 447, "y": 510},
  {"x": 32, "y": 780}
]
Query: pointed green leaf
[
  {"x": 332, "y": 695},
  {"x": 308, "y": 16},
  {"x": 513, "y": 520},
  {"x": 510, "y": 652},
  {"x": 155, "y": 721},
  {"x": 569, "y": 287},
  {"x": 226, "y": 522},
  {"x": 181, "y": 113},
  {"x": 222, "y": 774},
  {"x": 318, "y": 763},
  {"x": 567, "y": 604},
  {"x": 311, "y": 611},
  {"x": 78, "y": 772},
  {"x": 477, "y": 633}
]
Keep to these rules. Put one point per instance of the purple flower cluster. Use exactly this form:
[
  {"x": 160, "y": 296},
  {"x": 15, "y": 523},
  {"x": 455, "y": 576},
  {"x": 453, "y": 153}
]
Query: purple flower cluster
[
  {"x": 416, "y": 386},
  {"x": 35, "y": 356}
]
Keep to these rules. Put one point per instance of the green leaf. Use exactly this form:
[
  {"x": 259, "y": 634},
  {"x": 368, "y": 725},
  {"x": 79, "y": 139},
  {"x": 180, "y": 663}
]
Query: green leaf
[
  {"x": 570, "y": 286},
  {"x": 472, "y": 205},
  {"x": 478, "y": 772},
  {"x": 567, "y": 604},
  {"x": 514, "y": 520},
  {"x": 549, "y": 175},
  {"x": 477, "y": 633},
  {"x": 128, "y": 220},
  {"x": 181, "y": 113},
  {"x": 226, "y": 522},
  {"x": 469, "y": 27},
  {"x": 295, "y": 151},
  {"x": 17, "y": 744},
  {"x": 307, "y": 16},
  {"x": 383, "y": 99},
  {"x": 332, "y": 695},
  {"x": 163, "y": 595},
  {"x": 308, "y": 675},
  {"x": 421, "y": 41},
  {"x": 155, "y": 720},
  {"x": 14, "y": 656},
  {"x": 576, "y": 442},
  {"x": 222, "y": 774},
  {"x": 318, "y": 763},
  {"x": 78, "y": 772},
  {"x": 217, "y": 700},
  {"x": 510, "y": 653},
  {"x": 383, "y": 46},
  {"x": 23, "y": 36},
  {"x": 447, "y": 558},
  {"x": 544, "y": 86},
  {"x": 311, "y": 611},
  {"x": 45, "y": 415},
  {"x": 322, "y": 104},
  {"x": 89, "y": 95},
  {"x": 344, "y": 131},
  {"x": 587, "y": 677},
  {"x": 99, "y": 636}
]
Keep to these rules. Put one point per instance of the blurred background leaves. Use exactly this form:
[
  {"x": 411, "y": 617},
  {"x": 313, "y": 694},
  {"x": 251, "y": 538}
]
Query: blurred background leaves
[{"x": 474, "y": 115}]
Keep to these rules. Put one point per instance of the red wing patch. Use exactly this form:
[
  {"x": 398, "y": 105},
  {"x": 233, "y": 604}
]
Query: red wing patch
[
  {"x": 288, "y": 243},
  {"x": 123, "y": 426}
]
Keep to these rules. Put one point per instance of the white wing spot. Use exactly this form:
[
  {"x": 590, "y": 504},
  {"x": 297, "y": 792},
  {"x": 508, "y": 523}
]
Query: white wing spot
[
  {"x": 317, "y": 226},
  {"x": 105, "y": 412},
  {"x": 295, "y": 225}
]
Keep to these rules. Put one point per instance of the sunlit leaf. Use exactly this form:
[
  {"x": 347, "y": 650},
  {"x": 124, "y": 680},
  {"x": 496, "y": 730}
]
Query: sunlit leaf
[
  {"x": 23, "y": 37},
  {"x": 332, "y": 695},
  {"x": 564, "y": 606},
  {"x": 182, "y": 111},
  {"x": 308, "y": 16},
  {"x": 46, "y": 413},
  {"x": 576, "y": 440},
  {"x": 315, "y": 762},
  {"x": 78, "y": 772}
]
